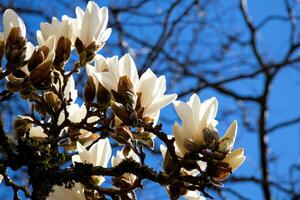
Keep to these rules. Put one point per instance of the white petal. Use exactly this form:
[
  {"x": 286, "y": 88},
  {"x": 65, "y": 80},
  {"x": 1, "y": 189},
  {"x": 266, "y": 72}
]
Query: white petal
[
  {"x": 159, "y": 104},
  {"x": 184, "y": 112},
  {"x": 180, "y": 137},
  {"x": 37, "y": 131},
  {"x": 10, "y": 20},
  {"x": 105, "y": 35},
  {"x": 107, "y": 80},
  {"x": 231, "y": 133},
  {"x": 62, "y": 193},
  {"x": 235, "y": 158},
  {"x": 101, "y": 152}
]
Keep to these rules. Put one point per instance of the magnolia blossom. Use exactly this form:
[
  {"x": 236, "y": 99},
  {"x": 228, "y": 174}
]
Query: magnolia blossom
[
  {"x": 37, "y": 132},
  {"x": 150, "y": 87},
  {"x": 10, "y": 20},
  {"x": 92, "y": 24},
  {"x": 62, "y": 193},
  {"x": 66, "y": 28},
  {"x": 195, "y": 116},
  {"x": 76, "y": 113},
  {"x": 98, "y": 155},
  {"x": 116, "y": 160},
  {"x": 101, "y": 64},
  {"x": 113, "y": 69}
]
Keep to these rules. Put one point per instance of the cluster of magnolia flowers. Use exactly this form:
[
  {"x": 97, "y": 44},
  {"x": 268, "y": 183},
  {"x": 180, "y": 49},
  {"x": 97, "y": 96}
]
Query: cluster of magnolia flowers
[{"x": 39, "y": 74}]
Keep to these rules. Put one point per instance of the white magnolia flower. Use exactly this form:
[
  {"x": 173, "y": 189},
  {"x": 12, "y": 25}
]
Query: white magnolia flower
[
  {"x": 149, "y": 86},
  {"x": 116, "y": 160},
  {"x": 92, "y": 24},
  {"x": 38, "y": 132},
  {"x": 153, "y": 98},
  {"x": 62, "y": 193},
  {"x": 10, "y": 20},
  {"x": 76, "y": 113},
  {"x": 114, "y": 69},
  {"x": 235, "y": 158},
  {"x": 101, "y": 65},
  {"x": 195, "y": 116},
  {"x": 98, "y": 155},
  {"x": 66, "y": 28}
]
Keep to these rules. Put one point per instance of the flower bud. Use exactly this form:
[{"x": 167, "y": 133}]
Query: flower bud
[
  {"x": 121, "y": 112},
  {"x": 145, "y": 137},
  {"x": 90, "y": 90},
  {"x": 221, "y": 171},
  {"x": 37, "y": 57},
  {"x": 79, "y": 46},
  {"x": 41, "y": 76},
  {"x": 15, "y": 48},
  {"x": 86, "y": 54},
  {"x": 125, "y": 85},
  {"x": 211, "y": 138},
  {"x": 103, "y": 95},
  {"x": 125, "y": 89},
  {"x": 22, "y": 126},
  {"x": 123, "y": 135},
  {"x": 192, "y": 146},
  {"x": 53, "y": 100},
  {"x": 62, "y": 52}
]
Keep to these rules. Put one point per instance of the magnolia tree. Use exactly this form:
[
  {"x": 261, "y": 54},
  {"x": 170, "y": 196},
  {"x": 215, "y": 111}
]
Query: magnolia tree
[{"x": 64, "y": 144}]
